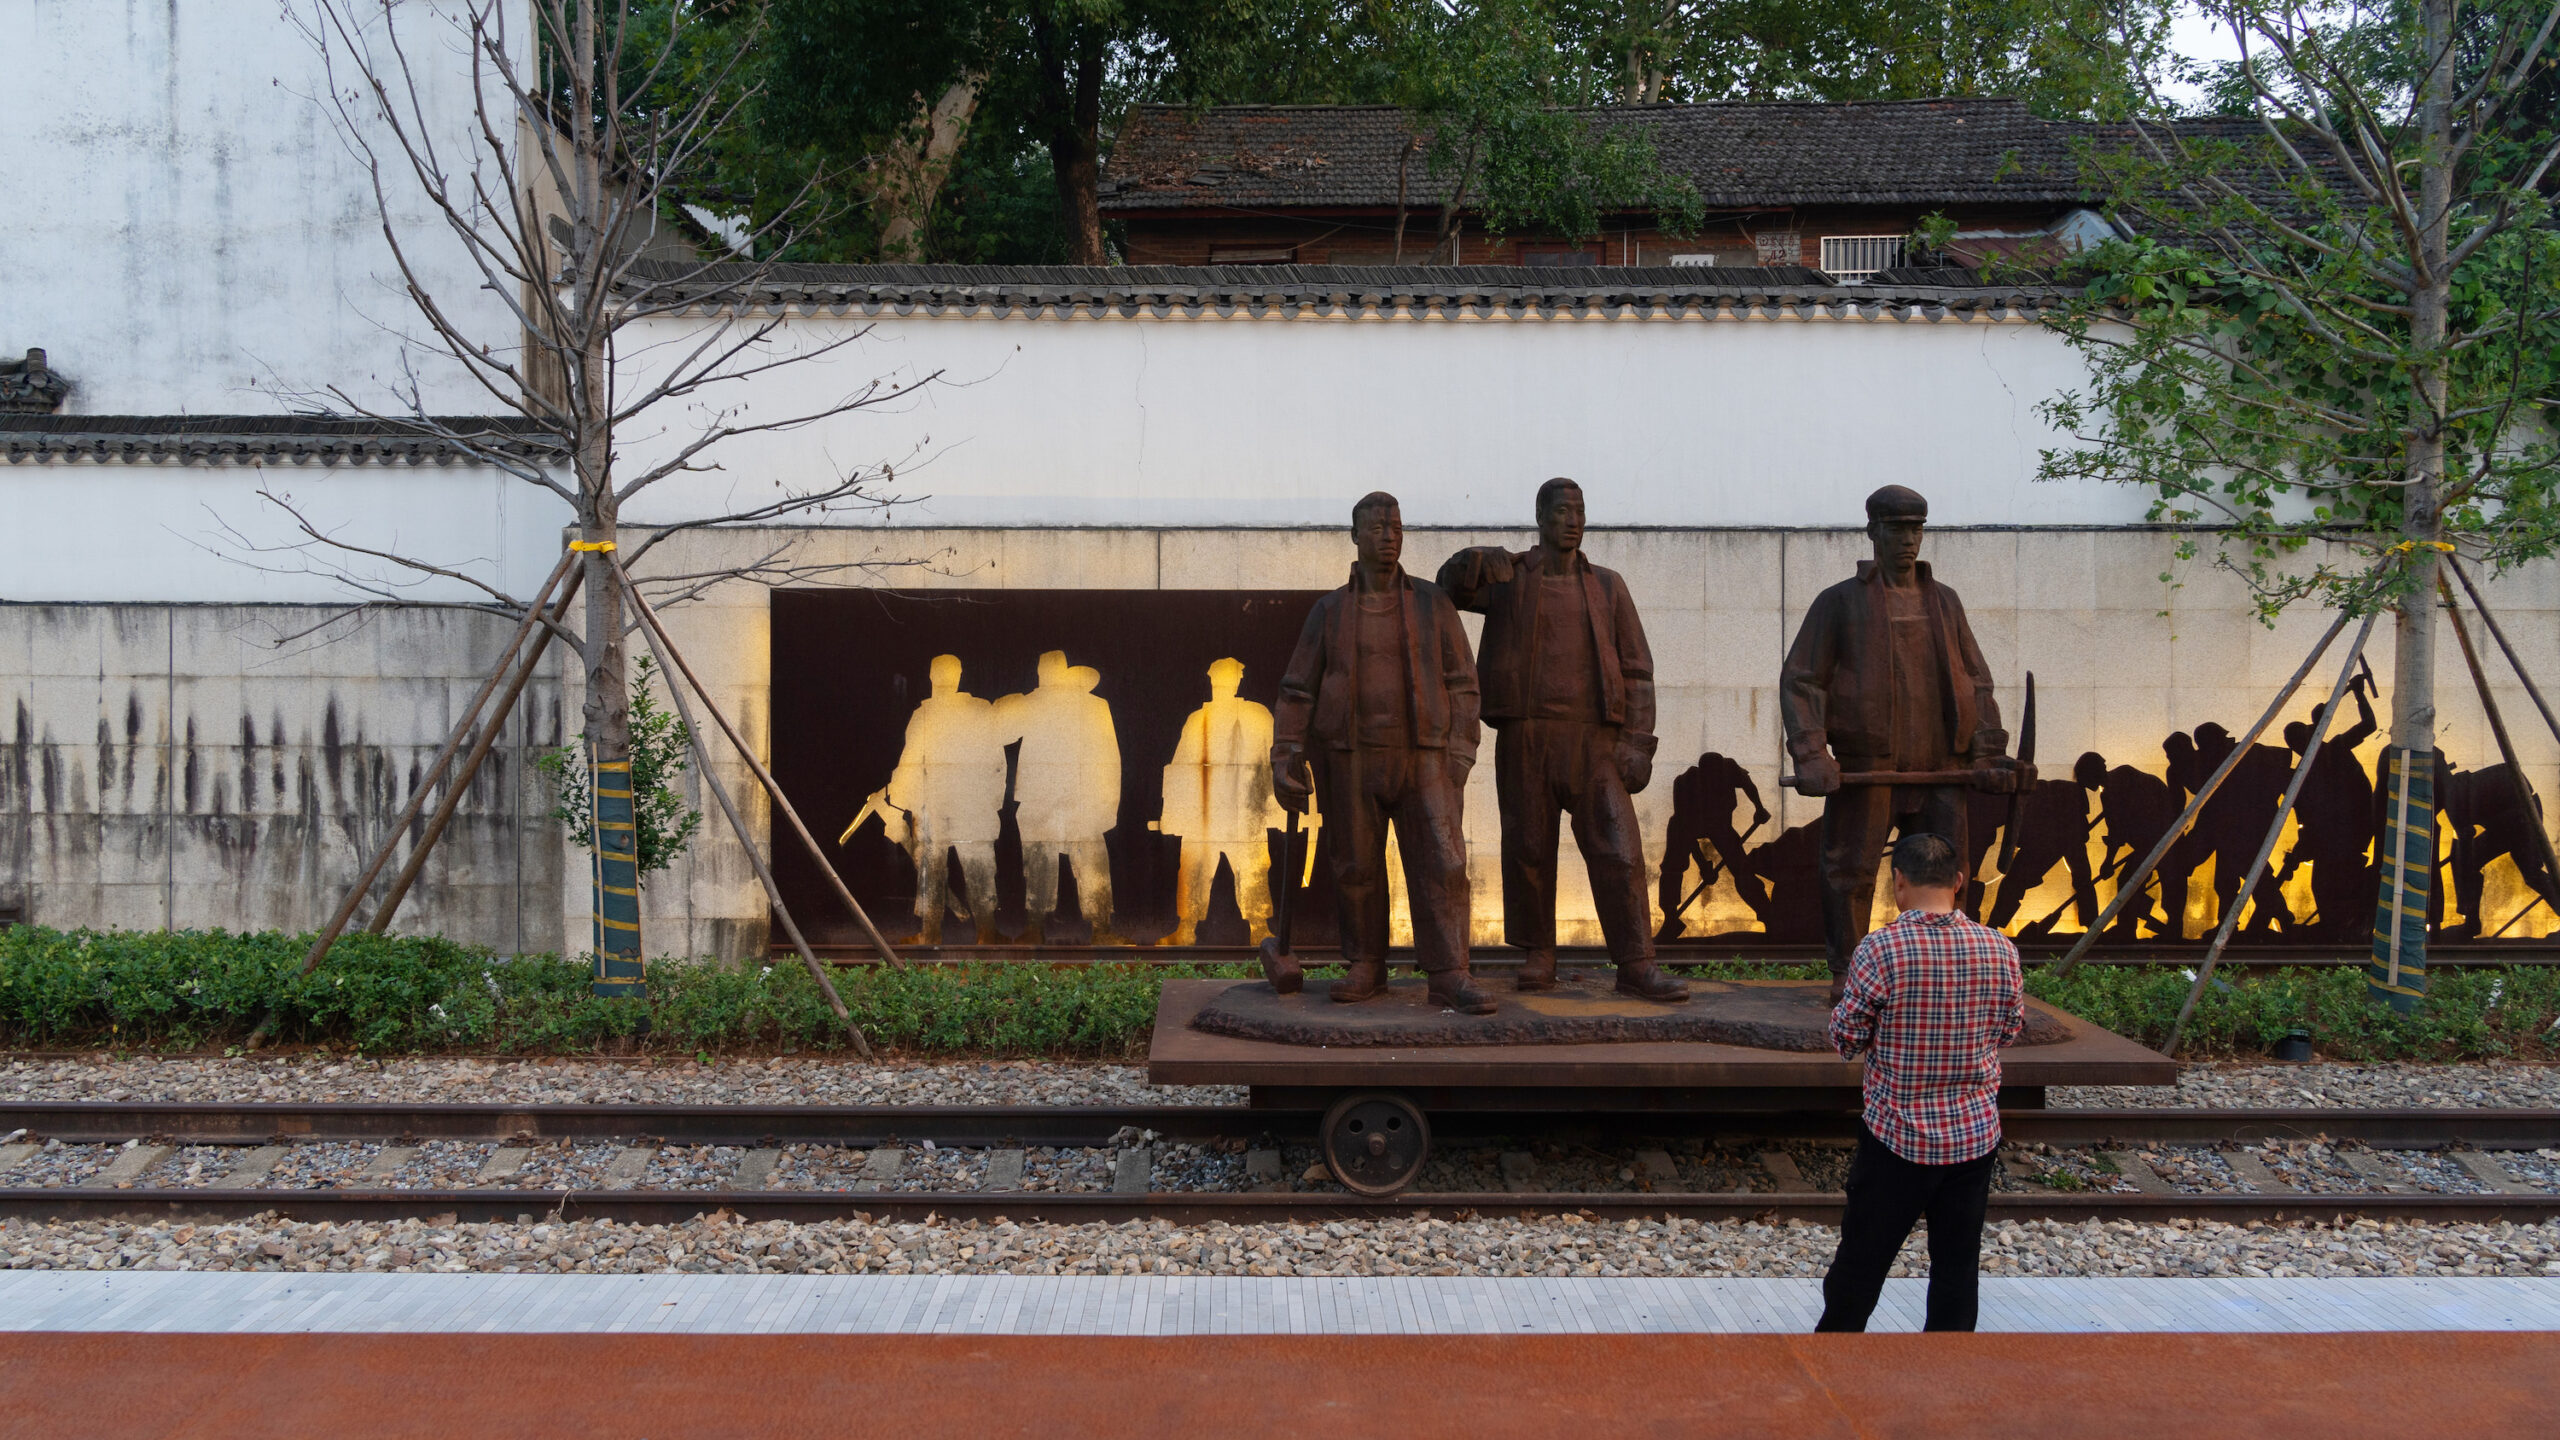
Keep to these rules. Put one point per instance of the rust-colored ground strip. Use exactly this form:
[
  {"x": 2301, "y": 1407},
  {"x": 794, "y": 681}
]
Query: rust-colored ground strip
[{"x": 663, "y": 1387}]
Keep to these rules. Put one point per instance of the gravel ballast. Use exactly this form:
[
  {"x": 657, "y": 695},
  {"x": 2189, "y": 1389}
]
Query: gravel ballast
[
  {"x": 793, "y": 1080},
  {"x": 1556, "y": 1246}
]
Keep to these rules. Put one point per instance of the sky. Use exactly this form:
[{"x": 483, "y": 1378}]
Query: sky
[{"x": 2198, "y": 37}]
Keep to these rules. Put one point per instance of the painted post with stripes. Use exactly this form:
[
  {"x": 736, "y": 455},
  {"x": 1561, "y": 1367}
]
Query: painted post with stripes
[
  {"x": 619, "y": 969},
  {"x": 2397, "y": 973}
]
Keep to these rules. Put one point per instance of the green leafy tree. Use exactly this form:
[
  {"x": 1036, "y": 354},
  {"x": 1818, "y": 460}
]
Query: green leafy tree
[
  {"x": 2335, "y": 344},
  {"x": 660, "y": 750}
]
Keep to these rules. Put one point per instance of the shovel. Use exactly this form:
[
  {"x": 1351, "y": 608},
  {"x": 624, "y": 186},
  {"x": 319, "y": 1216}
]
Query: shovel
[{"x": 1279, "y": 966}]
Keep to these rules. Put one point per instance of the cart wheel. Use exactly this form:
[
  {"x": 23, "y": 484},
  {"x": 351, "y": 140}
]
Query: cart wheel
[{"x": 1375, "y": 1143}]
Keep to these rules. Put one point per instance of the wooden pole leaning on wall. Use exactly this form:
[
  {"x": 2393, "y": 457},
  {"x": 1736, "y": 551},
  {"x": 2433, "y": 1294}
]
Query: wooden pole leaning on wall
[
  {"x": 2499, "y": 634},
  {"x": 462, "y": 778},
  {"x": 427, "y": 783},
  {"x": 2506, "y": 744},
  {"x": 2275, "y": 831},
  {"x": 676, "y": 685},
  {"x": 2131, "y": 885},
  {"x": 764, "y": 777}
]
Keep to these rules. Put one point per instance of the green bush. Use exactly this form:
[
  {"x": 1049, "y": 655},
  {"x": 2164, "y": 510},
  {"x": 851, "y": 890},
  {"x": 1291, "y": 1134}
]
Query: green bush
[{"x": 197, "y": 989}]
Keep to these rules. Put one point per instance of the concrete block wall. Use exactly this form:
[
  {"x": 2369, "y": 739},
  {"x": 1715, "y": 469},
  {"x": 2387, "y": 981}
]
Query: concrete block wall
[{"x": 232, "y": 766}]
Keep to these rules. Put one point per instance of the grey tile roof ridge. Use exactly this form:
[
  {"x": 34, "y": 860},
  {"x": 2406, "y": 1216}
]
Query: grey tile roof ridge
[
  {"x": 300, "y": 438},
  {"x": 689, "y": 285}
]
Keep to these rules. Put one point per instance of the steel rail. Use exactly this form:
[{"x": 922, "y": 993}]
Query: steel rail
[
  {"x": 92, "y": 1122},
  {"x": 665, "y": 1207}
]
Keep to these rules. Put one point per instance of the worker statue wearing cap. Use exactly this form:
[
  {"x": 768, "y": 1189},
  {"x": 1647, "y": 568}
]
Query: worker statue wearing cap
[
  {"x": 1884, "y": 676},
  {"x": 1380, "y": 701},
  {"x": 1568, "y": 688}
]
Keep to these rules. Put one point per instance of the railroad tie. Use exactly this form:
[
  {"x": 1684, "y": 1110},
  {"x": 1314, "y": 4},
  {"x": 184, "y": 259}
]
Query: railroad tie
[
  {"x": 13, "y": 1156},
  {"x": 1782, "y": 1168},
  {"x": 2375, "y": 1170},
  {"x": 129, "y": 1166},
  {"x": 1004, "y": 1171},
  {"x": 2485, "y": 1168},
  {"x": 1519, "y": 1172},
  {"x": 1657, "y": 1166},
  {"x": 629, "y": 1167},
  {"x": 391, "y": 1159},
  {"x": 2247, "y": 1165},
  {"x": 2138, "y": 1170},
  {"x": 1134, "y": 1172},
  {"x": 504, "y": 1162},
  {"x": 881, "y": 1168},
  {"x": 755, "y": 1172},
  {"x": 255, "y": 1166}
]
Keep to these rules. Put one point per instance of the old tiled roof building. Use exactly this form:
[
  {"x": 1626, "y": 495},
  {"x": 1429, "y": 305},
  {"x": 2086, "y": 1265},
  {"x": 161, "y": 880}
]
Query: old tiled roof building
[{"x": 1830, "y": 186}]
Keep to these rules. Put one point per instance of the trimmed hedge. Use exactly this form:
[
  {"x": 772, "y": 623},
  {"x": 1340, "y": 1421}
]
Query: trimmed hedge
[{"x": 192, "y": 990}]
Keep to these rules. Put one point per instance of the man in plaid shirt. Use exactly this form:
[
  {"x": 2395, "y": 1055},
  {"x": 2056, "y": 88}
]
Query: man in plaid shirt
[{"x": 1931, "y": 1001}]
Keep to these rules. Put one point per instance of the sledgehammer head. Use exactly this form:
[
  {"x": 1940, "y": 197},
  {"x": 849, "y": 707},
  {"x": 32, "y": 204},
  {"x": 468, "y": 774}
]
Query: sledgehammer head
[{"x": 1281, "y": 968}]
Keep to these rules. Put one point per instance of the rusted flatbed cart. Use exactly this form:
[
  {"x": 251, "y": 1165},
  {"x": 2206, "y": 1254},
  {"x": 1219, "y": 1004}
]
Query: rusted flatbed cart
[{"x": 1378, "y": 1070}]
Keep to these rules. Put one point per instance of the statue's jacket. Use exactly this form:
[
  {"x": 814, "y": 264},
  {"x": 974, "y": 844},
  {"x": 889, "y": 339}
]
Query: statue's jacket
[
  {"x": 1318, "y": 695},
  {"x": 1508, "y": 659},
  {"x": 1836, "y": 688}
]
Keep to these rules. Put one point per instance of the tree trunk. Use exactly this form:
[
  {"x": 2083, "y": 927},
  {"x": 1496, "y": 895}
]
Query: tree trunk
[
  {"x": 2413, "y": 681},
  {"x": 1071, "y": 67},
  {"x": 917, "y": 164}
]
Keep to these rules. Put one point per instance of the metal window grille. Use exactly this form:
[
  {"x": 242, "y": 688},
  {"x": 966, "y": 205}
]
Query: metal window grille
[{"x": 1855, "y": 257}]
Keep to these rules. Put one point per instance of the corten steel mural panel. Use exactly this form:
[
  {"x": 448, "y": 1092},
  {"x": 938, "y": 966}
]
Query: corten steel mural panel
[{"x": 852, "y": 668}]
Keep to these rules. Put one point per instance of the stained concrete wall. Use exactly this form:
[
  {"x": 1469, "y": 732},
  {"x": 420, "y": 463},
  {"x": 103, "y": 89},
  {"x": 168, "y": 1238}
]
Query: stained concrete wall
[
  {"x": 192, "y": 234},
  {"x": 231, "y": 766}
]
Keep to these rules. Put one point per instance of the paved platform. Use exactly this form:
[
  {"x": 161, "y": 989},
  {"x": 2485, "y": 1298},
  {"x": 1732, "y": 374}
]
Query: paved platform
[
  {"x": 1395, "y": 1387},
  {"x": 989, "y": 1305}
]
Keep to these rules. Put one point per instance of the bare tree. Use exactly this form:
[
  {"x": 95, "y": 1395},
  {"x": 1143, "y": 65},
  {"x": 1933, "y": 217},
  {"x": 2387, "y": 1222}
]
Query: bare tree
[{"x": 584, "y": 120}]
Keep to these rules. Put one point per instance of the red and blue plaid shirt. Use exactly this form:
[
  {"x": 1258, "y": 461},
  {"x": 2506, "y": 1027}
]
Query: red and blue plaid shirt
[{"x": 1932, "y": 999}]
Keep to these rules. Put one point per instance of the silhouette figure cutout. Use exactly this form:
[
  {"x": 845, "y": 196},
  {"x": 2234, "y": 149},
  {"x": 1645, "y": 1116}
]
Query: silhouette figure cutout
[
  {"x": 949, "y": 784},
  {"x": 2334, "y": 830},
  {"x": 2055, "y": 828},
  {"x": 1701, "y": 836},
  {"x": 1066, "y": 790},
  {"x": 2489, "y": 819},
  {"x": 2135, "y": 808},
  {"x": 1218, "y": 802}
]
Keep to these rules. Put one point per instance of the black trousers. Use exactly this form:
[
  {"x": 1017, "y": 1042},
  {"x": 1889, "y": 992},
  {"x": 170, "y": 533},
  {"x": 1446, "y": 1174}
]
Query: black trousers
[{"x": 1887, "y": 1195}]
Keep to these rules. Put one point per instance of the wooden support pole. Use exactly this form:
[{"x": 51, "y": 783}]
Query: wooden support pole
[
  {"x": 470, "y": 770},
  {"x": 764, "y": 777},
  {"x": 2499, "y": 634},
  {"x": 2267, "y": 848},
  {"x": 737, "y": 823},
  {"x": 2131, "y": 885},
  {"x": 418, "y": 802},
  {"x": 2506, "y": 744}
]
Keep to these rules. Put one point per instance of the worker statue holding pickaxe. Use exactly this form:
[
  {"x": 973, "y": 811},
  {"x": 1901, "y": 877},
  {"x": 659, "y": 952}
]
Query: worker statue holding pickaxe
[{"x": 1889, "y": 712}]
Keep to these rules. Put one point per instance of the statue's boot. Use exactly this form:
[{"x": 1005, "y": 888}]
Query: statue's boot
[
  {"x": 1645, "y": 981},
  {"x": 1537, "y": 972},
  {"x": 1360, "y": 980},
  {"x": 1456, "y": 990}
]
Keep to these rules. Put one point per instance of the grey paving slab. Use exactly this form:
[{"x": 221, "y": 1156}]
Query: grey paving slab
[{"x": 1182, "y": 1305}]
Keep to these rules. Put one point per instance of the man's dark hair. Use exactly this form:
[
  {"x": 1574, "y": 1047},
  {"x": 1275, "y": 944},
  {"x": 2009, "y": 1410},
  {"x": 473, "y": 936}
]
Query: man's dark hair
[
  {"x": 1928, "y": 861},
  {"x": 1551, "y": 487},
  {"x": 1372, "y": 501}
]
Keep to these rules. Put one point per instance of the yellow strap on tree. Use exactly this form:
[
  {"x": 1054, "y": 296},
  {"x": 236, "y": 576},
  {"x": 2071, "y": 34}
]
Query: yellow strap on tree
[{"x": 607, "y": 545}]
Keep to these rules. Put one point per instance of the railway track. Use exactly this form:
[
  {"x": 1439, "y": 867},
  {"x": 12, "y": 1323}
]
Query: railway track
[{"x": 1192, "y": 1164}]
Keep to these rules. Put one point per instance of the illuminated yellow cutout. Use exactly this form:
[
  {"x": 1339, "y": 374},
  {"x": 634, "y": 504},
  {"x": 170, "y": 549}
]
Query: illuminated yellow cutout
[
  {"x": 1066, "y": 788},
  {"x": 1218, "y": 800},
  {"x": 949, "y": 785}
]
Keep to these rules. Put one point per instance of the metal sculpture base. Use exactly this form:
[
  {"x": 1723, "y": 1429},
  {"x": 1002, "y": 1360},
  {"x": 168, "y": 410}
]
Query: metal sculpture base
[{"x": 1578, "y": 1012}]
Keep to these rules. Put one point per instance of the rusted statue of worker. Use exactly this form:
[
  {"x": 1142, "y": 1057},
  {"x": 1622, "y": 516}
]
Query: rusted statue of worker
[
  {"x": 1885, "y": 677},
  {"x": 1380, "y": 698},
  {"x": 1568, "y": 688}
]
